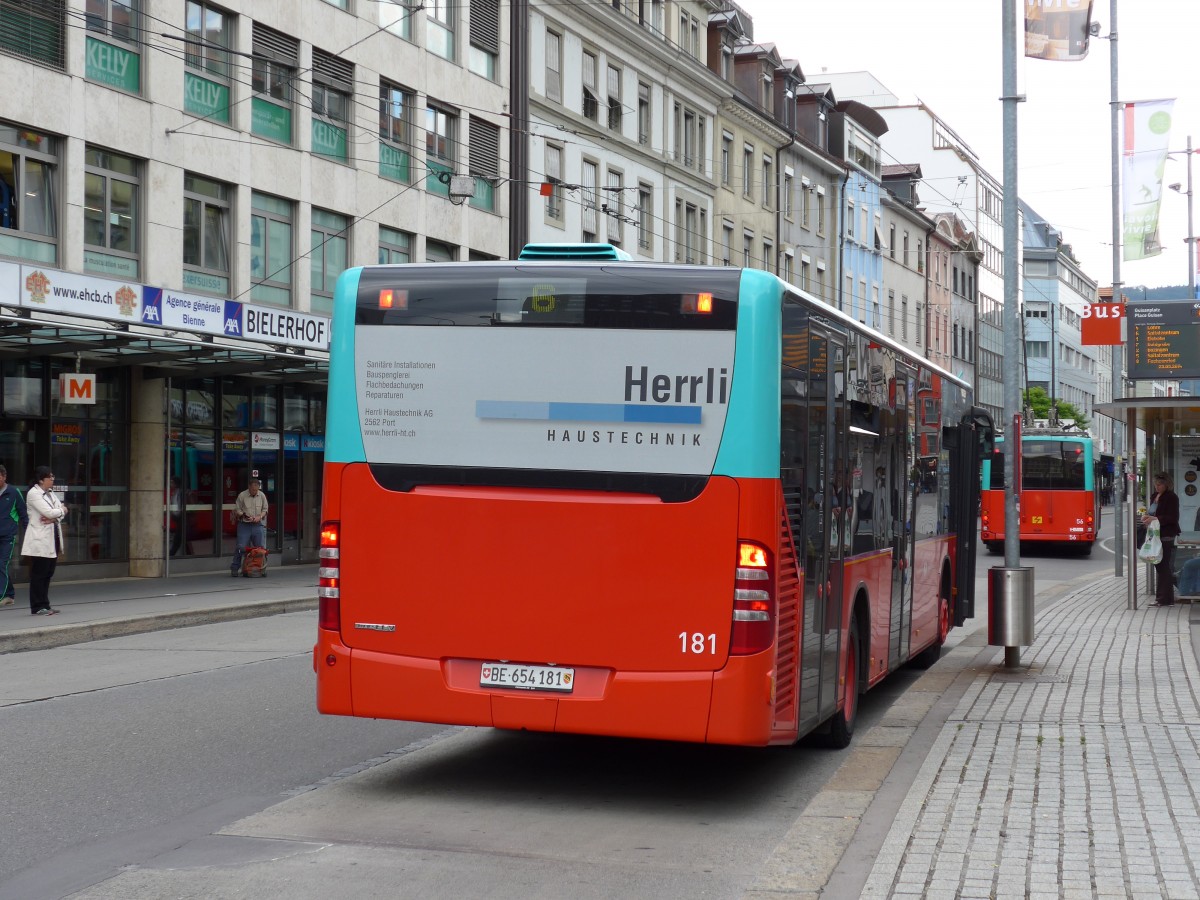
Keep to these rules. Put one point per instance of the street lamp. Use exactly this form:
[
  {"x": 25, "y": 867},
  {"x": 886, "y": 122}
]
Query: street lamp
[{"x": 1190, "y": 240}]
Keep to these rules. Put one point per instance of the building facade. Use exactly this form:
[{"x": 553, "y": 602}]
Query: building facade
[{"x": 192, "y": 179}]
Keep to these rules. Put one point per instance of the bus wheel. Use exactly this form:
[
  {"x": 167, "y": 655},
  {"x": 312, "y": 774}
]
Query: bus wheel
[
  {"x": 841, "y": 726},
  {"x": 933, "y": 653}
]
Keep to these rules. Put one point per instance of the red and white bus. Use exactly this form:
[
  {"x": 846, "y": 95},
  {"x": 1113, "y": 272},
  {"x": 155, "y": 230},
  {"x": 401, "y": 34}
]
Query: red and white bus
[
  {"x": 1059, "y": 503},
  {"x": 657, "y": 501}
]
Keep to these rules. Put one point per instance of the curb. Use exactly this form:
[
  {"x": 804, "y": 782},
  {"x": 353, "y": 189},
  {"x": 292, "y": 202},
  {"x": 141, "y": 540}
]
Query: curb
[{"x": 64, "y": 635}]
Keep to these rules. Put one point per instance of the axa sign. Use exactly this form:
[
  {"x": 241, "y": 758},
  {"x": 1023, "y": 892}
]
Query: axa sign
[{"x": 74, "y": 387}]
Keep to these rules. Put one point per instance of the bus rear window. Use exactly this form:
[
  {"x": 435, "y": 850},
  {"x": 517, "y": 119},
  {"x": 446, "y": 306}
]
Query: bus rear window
[
  {"x": 1052, "y": 465},
  {"x": 614, "y": 296}
]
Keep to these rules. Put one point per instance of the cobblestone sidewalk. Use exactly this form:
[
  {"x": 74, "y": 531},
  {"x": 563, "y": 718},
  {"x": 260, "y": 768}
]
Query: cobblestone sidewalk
[{"x": 1076, "y": 775}]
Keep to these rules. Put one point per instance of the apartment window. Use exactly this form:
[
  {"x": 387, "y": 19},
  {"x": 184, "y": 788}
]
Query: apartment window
[
  {"x": 340, "y": 4},
  {"x": 820, "y": 212},
  {"x": 112, "y": 216},
  {"x": 396, "y": 106},
  {"x": 270, "y": 249},
  {"x": 876, "y": 316},
  {"x": 394, "y": 246},
  {"x": 645, "y": 216},
  {"x": 554, "y": 168},
  {"x": 892, "y": 241},
  {"x": 920, "y": 323},
  {"x": 821, "y": 280},
  {"x": 726, "y": 158},
  {"x": 206, "y": 230},
  {"x": 850, "y": 209},
  {"x": 786, "y": 274},
  {"x": 483, "y": 161},
  {"x": 689, "y": 237},
  {"x": 956, "y": 356},
  {"x": 332, "y": 94},
  {"x": 904, "y": 257},
  {"x": 920, "y": 258},
  {"x": 768, "y": 255},
  {"x": 589, "y": 181},
  {"x": 614, "y": 98},
  {"x": 864, "y": 231},
  {"x": 327, "y": 258},
  {"x": 702, "y": 239},
  {"x": 747, "y": 170},
  {"x": 747, "y": 248},
  {"x": 591, "y": 101},
  {"x": 208, "y": 79},
  {"x": 395, "y": 17},
  {"x": 689, "y": 138},
  {"x": 727, "y": 243},
  {"x": 892, "y": 313},
  {"x": 701, "y": 156},
  {"x": 437, "y": 251},
  {"x": 806, "y": 191},
  {"x": 29, "y": 170},
  {"x": 903, "y": 317},
  {"x": 554, "y": 66},
  {"x": 768, "y": 182},
  {"x": 1037, "y": 349},
  {"x": 441, "y": 127},
  {"x": 805, "y": 273},
  {"x": 788, "y": 187},
  {"x": 273, "y": 72},
  {"x": 643, "y": 113},
  {"x": 439, "y": 27},
  {"x": 113, "y": 43},
  {"x": 484, "y": 38},
  {"x": 614, "y": 206},
  {"x": 36, "y": 32}
]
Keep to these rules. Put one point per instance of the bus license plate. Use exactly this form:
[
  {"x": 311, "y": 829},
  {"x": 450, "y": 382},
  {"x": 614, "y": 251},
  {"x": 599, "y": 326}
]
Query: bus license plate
[{"x": 528, "y": 678}]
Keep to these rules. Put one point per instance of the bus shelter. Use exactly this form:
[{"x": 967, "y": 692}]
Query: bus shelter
[{"x": 1171, "y": 426}]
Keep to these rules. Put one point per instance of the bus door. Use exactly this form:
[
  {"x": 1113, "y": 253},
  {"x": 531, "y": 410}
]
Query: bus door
[
  {"x": 839, "y": 519},
  {"x": 904, "y": 469}
]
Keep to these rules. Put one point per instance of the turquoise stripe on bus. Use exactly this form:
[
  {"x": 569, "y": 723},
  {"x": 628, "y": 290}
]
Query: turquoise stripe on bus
[
  {"x": 750, "y": 443},
  {"x": 343, "y": 436}
]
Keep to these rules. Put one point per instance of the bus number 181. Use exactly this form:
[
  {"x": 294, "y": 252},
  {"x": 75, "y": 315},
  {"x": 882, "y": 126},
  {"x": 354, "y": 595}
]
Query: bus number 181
[{"x": 697, "y": 642}]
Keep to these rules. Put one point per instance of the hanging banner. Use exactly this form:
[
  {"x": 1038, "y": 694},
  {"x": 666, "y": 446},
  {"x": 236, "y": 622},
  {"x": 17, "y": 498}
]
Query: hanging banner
[
  {"x": 1057, "y": 29},
  {"x": 1147, "y": 133}
]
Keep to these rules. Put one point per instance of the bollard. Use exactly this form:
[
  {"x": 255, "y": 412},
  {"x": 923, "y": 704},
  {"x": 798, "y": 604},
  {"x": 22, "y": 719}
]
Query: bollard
[{"x": 1010, "y": 610}]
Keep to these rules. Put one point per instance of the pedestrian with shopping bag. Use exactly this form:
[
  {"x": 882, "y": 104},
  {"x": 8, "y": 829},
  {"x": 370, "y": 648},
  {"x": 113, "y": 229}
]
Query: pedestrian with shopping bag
[{"x": 1162, "y": 516}]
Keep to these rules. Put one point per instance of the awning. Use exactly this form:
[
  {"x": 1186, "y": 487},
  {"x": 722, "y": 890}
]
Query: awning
[
  {"x": 100, "y": 344},
  {"x": 1157, "y": 415}
]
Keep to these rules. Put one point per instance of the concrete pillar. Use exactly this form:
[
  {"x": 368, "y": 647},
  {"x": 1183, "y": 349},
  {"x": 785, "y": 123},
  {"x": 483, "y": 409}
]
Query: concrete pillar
[{"x": 147, "y": 551}]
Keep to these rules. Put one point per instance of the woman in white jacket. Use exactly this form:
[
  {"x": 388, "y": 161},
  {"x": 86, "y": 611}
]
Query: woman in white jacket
[{"x": 43, "y": 539}]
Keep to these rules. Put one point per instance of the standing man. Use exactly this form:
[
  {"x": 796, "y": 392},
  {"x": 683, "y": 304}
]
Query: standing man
[
  {"x": 13, "y": 517},
  {"x": 251, "y": 513}
]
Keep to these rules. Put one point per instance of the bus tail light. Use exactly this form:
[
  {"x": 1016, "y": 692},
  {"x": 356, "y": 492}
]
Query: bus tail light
[
  {"x": 753, "y": 601},
  {"x": 329, "y": 591}
]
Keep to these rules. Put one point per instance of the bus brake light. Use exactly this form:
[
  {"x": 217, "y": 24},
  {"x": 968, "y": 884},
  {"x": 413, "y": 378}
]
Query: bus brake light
[
  {"x": 393, "y": 299},
  {"x": 696, "y": 303},
  {"x": 329, "y": 592},
  {"x": 753, "y": 601}
]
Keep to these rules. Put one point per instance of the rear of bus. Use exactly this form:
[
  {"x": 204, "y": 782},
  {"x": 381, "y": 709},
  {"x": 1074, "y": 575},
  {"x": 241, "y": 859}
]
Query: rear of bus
[
  {"x": 1058, "y": 503},
  {"x": 549, "y": 501}
]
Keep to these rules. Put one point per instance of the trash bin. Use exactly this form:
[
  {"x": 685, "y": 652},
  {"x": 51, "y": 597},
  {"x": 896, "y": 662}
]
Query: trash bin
[{"x": 1010, "y": 606}]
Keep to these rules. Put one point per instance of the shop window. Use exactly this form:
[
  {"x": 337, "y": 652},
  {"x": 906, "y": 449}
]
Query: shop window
[
  {"x": 276, "y": 57},
  {"x": 206, "y": 218},
  {"x": 483, "y": 160},
  {"x": 395, "y": 132},
  {"x": 327, "y": 257},
  {"x": 394, "y": 246},
  {"x": 114, "y": 43},
  {"x": 111, "y": 214},
  {"x": 235, "y": 404},
  {"x": 36, "y": 32},
  {"x": 440, "y": 149},
  {"x": 264, "y": 409},
  {"x": 332, "y": 94},
  {"x": 440, "y": 24},
  {"x": 28, "y": 193},
  {"x": 484, "y": 52},
  {"x": 24, "y": 393},
  {"x": 208, "y": 80},
  {"x": 271, "y": 250}
]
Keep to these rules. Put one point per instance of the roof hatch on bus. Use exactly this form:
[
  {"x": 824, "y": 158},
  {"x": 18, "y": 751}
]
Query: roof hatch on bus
[{"x": 579, "y": 252}]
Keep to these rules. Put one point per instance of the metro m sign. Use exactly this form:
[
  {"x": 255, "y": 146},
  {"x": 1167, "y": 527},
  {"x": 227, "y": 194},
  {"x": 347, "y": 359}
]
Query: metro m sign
[
  {"x": 77, "y": 388},
  {"x": 1101, "y": 324}
]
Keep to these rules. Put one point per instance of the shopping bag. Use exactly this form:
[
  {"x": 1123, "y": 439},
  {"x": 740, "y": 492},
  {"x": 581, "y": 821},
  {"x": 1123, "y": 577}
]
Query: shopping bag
[{"x": 1151, "y": 550}]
